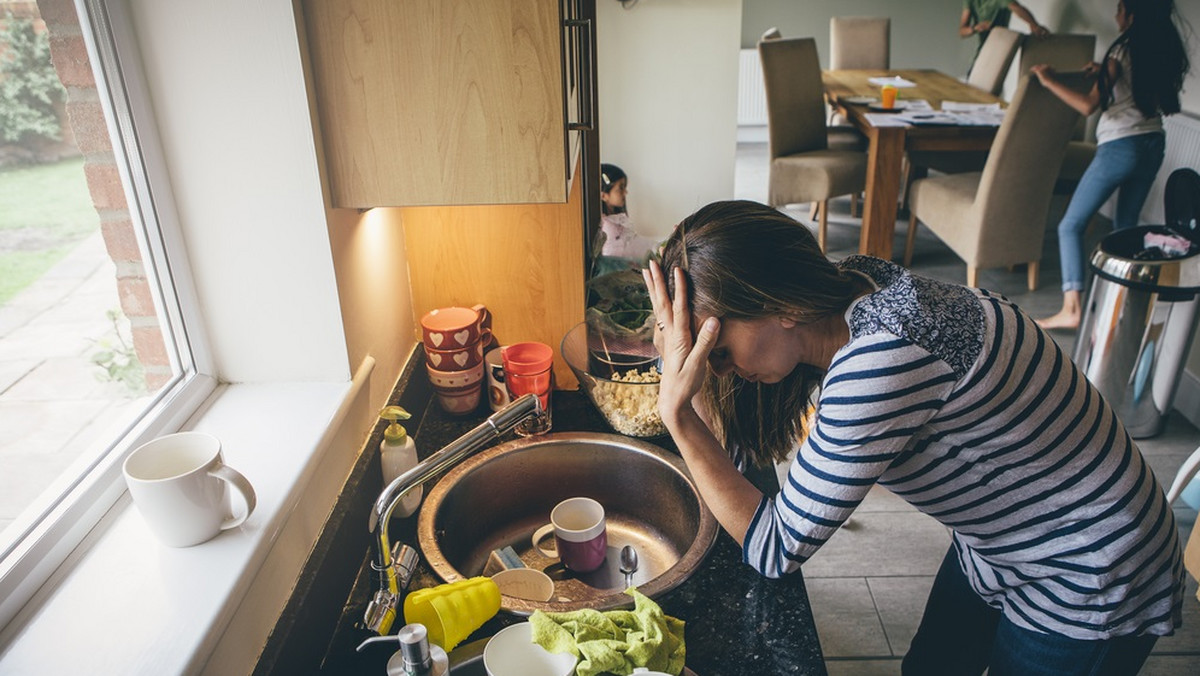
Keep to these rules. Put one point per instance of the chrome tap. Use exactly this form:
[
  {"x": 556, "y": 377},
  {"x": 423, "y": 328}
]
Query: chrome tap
[{"x": 381, "y": 612}]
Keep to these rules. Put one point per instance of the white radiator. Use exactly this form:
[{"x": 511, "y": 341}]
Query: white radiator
[
  {"x": 1183, "y": 150},
  {"x": 752, "y": 97}
]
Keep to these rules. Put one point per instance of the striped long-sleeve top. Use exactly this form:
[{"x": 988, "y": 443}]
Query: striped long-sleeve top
[{"x": 954, "y": 400}]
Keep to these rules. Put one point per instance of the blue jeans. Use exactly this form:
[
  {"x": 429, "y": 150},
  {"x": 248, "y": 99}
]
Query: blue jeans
[
  {"x": 961, "y": 634},
  {"x": 1128, "y": 164}
]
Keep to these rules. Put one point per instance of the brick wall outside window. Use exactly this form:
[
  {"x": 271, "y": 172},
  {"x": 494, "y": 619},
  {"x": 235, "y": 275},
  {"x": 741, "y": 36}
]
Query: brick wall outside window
[{"x": 69, "y": 54}]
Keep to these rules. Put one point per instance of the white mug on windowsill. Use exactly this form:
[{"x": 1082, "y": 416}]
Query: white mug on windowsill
[{"x": 179, "y": 483}]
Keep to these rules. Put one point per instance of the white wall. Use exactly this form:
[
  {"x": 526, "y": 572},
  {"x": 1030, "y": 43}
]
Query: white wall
[
  {"x": 924, "y": 32},
  {"x": 228, "y": 90},
  {"x": 668, "y": 103}
]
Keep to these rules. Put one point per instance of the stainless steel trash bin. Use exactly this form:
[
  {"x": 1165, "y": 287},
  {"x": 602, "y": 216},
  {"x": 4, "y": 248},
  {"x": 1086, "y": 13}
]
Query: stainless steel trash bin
[{"x": 1137, "y": 327}]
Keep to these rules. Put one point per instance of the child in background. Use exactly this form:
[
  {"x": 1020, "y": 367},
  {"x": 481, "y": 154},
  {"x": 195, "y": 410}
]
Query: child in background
[
  {"x": 621, "y": 240},
  {"x": 1138, "y": 82}
]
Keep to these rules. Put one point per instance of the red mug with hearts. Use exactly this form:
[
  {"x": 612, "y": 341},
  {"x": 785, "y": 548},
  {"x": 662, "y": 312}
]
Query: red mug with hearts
[
  {"x": 458, "y": 359},
  {"x": 455, "y": 328}
]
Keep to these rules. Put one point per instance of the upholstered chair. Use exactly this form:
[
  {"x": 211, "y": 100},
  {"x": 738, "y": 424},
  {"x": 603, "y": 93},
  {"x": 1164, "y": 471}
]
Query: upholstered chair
[
  {"x": 803, "y": 167},
  {"x": 997, "y": 217},
  {"x": 860, "y": 43},
  {"x": 841, "y": 136},
  {"x": 857, "y": 43},
  {"x": 994, "y": 59},
  {"x": 1065, "y": 52},
  {"x": 988, "y": 73}
]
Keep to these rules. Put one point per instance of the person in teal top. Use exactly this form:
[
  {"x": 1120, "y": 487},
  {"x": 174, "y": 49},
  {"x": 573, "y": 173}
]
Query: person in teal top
[{"x": 978, "y": 17}]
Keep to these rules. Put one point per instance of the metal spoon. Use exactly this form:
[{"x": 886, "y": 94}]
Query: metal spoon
[{"x": 629, "y": 563}]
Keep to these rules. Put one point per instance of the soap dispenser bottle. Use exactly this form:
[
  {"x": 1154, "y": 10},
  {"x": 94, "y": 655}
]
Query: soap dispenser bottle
[
  {"x": 398, "y": 454},
  {"x": 416, "y": 656}
]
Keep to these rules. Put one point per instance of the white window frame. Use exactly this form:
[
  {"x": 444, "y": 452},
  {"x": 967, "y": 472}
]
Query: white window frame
[{"x": 49, "y": 532}]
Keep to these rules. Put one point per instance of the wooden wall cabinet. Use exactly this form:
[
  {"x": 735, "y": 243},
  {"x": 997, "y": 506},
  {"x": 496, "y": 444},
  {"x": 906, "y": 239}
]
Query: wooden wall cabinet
[
  {"x": 450, "y": 102},
  {"x": 524, "y": 262}
]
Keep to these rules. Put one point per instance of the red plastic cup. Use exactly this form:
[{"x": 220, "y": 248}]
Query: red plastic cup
[{"x": 529, "y": 369}]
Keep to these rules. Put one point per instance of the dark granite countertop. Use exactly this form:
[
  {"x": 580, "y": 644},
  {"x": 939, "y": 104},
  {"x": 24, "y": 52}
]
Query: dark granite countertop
[{"x": 738, "y": 623}]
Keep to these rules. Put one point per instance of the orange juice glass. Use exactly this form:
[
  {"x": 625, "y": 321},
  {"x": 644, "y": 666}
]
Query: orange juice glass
[{"x": 888, "y": 96}]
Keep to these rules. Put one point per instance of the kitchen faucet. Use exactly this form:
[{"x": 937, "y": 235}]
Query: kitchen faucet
[{"x": 395, "y": 567}]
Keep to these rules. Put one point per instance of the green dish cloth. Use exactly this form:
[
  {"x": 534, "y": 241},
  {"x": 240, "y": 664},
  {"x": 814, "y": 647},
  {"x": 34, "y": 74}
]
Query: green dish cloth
[{"x": 615, "y": 641}]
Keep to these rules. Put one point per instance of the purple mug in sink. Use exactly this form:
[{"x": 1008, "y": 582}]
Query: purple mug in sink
[{"x": 580, "y": 535}]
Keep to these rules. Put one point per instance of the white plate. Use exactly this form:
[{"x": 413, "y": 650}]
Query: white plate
[
  {"x": 512, "y": 652},
  {"x": 860, "y": 100}
]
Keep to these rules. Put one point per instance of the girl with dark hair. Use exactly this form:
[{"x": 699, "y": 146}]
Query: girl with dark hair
[
  {"x": 622, "y": 247},
  {"x": 1065, "y": 557},
  {"x": 1138, "y": 82},
  {"x": 614, "y": 185}
]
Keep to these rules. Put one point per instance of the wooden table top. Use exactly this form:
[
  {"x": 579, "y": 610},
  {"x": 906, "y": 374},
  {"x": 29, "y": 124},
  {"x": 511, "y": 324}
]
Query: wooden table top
[{"x": 932, "y": 85}]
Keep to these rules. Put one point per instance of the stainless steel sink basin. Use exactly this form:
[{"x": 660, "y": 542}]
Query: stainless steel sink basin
[{"x": 498, "y": 497}]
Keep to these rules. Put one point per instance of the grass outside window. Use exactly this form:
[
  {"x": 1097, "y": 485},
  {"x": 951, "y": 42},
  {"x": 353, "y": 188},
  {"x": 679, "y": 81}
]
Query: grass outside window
[{"x": 45, "y": 210}]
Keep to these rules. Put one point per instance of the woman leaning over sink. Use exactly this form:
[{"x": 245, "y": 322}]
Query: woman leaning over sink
[{"x": 1065, "y": 558}]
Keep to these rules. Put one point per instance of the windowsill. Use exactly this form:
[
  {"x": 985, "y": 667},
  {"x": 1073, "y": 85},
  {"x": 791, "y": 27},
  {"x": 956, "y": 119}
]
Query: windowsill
[{"x": 123, "y": 603}]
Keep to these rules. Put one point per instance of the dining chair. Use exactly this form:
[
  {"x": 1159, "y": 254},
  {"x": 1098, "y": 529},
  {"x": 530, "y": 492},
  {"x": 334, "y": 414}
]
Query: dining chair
[
  {"x": 1065, "y": 52},
  {"x": 988, "y": 73},
  {"x": 994, "y": 59},
  {"x": 997, "y": 217},
  {"x": 857, "y": 43},
  {"x": 842, "y": 136},
  {"x": 804, "y": 168},
  {"x": 860, "y": 42}
]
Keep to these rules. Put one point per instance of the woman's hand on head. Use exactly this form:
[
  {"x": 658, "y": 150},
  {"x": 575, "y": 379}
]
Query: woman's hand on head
[{"x": 685, "y": 359}]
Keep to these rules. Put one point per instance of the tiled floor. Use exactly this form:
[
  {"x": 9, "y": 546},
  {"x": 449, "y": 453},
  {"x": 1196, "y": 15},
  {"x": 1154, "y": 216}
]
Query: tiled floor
[{"x": 868, "y": 584}]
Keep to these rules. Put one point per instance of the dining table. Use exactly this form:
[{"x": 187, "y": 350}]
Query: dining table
[{"x": 850, "y": 93}]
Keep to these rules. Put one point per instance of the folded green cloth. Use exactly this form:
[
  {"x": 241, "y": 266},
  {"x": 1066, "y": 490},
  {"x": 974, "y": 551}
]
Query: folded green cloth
[{"x": 615, "y": 641}]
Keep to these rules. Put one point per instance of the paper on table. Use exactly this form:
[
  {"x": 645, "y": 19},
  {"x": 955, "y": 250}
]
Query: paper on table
[
  {"x": 980, "y": 118},
  {"x": 929, "y": 117},
  {"x": 937, "y": 117},
  {"x": 885, "y": 120},
  {"x": 895, "y": 81},
  {"x": 959, "y": 106}
]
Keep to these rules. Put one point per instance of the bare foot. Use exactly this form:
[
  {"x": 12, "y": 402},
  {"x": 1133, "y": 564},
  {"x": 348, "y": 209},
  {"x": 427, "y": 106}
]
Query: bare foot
[
  {"x": 1065, "y": 319},
  {"x": 1070, "y": 314}
]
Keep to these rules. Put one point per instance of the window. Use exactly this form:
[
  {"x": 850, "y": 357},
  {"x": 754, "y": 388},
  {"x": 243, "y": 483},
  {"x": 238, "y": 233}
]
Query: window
[{"x": 99, "y": 346}]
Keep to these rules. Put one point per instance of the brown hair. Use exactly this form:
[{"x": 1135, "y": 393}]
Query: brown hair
[{"x": 745, "y": 260}]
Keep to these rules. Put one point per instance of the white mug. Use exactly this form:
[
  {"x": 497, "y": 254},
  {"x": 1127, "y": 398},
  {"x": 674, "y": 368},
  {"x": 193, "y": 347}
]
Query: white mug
[
  {"x": 497, "y": 391},
  {"x": 178, "y": 483}
]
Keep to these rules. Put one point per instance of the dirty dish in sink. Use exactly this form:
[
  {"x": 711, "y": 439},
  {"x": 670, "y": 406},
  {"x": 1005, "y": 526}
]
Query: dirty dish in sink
[
  {"x": 512, "y": 652},
  {"x": 525, "y": 583}
]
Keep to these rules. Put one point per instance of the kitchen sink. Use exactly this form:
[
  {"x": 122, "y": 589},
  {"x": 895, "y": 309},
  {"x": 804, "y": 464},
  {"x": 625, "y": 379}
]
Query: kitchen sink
[
  {"x": 500, "y": 496},
  {"x": 467, "y": 659}
]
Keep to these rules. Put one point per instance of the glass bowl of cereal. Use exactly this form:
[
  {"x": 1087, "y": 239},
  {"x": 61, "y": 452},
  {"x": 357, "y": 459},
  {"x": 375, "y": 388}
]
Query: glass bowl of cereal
[{"x": 620, "y": 376}]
